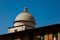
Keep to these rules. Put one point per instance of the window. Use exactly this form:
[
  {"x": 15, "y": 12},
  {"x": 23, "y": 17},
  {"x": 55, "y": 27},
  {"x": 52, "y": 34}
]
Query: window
[
  {"x": 12, "y": 38},
  {"x": 21, "y": 38},
  {"x": 31, "y": 37},
  {"x": 55, "y": 36},
  {"x": 41, "y": 37}
]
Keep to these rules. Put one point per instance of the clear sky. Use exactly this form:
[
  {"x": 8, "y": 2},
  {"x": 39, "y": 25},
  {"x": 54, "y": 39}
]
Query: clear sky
[{"x": 45, "y": 12}]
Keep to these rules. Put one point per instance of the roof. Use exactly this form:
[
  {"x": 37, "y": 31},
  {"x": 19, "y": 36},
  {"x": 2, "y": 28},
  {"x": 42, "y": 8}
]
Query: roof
[{"x": 54, "y": 27}]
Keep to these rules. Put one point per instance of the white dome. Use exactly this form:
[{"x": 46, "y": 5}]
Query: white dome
[{"x": 25, "y": 16}]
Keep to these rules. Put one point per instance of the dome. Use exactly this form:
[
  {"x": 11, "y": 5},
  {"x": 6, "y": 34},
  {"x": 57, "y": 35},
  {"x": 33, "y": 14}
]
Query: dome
[{"x": 25, "y": 16}]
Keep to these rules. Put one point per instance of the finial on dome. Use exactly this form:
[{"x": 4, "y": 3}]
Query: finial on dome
[{"x": 25, "y": 9}]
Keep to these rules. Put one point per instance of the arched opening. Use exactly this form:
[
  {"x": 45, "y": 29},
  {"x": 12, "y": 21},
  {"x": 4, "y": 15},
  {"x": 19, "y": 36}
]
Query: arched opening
[{"x": 15, "y": 30}]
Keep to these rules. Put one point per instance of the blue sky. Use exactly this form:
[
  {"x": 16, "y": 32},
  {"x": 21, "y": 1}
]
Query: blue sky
[{"x": 45, "y": 12}]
